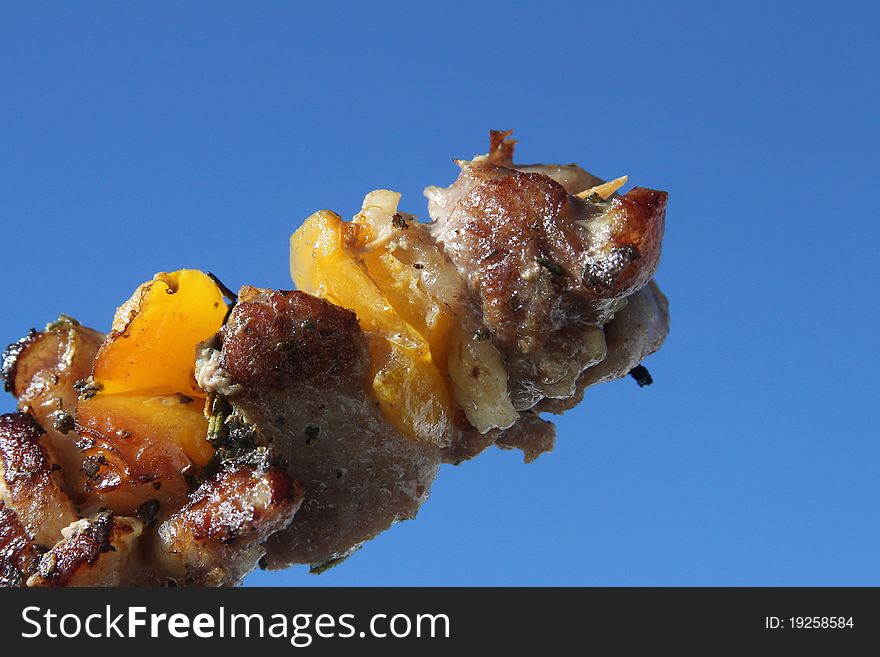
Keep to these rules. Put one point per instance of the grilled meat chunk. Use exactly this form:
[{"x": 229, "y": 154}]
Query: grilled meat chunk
[
  {"x": 96, "y": 551},
  {"x": 37, "y": 516},
  {"x": 550, "y": 268},
  {"x": 18, "y": 553},
  {"x": 43, "y": 370},
  {"x": 635, "y": 333},
  {"x": 29, "y": 483},
  {"x": 217, "y": 537},
  {"x": 295, "y": 370}
]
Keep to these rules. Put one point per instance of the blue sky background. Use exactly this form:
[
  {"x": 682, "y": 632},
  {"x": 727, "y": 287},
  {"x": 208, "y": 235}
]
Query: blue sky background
[{"x": 139, "y": 137}]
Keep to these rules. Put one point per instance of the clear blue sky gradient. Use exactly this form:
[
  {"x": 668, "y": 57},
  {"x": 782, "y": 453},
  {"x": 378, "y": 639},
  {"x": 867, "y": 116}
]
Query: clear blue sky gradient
[{"x": 139, "y": 137}]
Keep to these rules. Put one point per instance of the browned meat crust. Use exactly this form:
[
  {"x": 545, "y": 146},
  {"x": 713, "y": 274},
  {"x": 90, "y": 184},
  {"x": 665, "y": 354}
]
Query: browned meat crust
[
  {"x": 75, "y": 560},
  {"x": 18, "y": 554},
  {"x": 43, "y": 534},
  {"x": 550, "y": 268},
  {"x": 28, "y": 483},
  {"x": 216, "y": 511},
  {"x": 217, "y": 536},
  {"x": 33, "y": 366},
  {"x": 317, "y": 410},
  {"x": 504, "y": 224},
  {"x": 300, "y": 338},
  {"x": 9, "y": 365},
  {"x": 43, "y": 376}
]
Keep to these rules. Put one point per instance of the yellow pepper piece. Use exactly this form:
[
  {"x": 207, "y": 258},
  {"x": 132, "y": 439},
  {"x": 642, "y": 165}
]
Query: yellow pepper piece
[
  {"x": 151, "y": 349},
  {"x": 155, "y": 436},
  {"x": 148, "y": 409},
  {"x": 407, "y": 383},
  {"x": 400, "y": 286}
]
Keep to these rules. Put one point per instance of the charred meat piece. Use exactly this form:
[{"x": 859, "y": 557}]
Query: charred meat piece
[
  {"x": 18, "y": 553},
  {"x": 550, "y": 268},
  {"x": 295, "y": 371},
  {"x": 217, "y": 537},
  {"x": 96, "y": 551},
  {"x": 45, "y": 541},
  {"x": 29, "y": 483},
  {"x": 46, "y": 372}
]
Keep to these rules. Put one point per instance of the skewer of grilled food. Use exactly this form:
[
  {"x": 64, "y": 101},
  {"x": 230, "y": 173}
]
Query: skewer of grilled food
[{"x": 210, "y": 432}]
